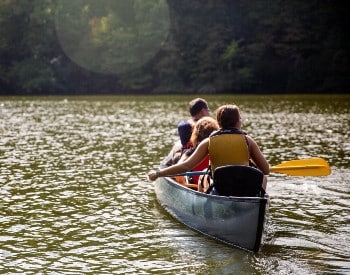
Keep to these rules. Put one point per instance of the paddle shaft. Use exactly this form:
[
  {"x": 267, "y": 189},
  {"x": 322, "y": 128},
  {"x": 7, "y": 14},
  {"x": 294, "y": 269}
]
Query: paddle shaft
[
  {"x": 192, "y": 173},
  {"x": 303, "y": 167}
]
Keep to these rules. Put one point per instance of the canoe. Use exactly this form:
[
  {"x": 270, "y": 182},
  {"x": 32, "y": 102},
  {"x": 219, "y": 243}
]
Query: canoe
[{"x": 236, "y": 221}]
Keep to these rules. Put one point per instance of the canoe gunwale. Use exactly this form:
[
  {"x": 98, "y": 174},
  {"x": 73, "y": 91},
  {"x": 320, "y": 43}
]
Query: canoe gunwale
[{"x": 197, "y": 193}]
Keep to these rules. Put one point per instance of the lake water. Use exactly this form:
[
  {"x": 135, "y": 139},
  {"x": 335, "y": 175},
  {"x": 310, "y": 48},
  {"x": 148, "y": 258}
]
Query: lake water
[{"x": 75, "y": 198}]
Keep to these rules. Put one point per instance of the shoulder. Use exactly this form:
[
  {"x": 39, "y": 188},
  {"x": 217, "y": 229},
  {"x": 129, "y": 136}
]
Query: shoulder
[
  {"x": 204, "y": 143},
  {"x": 184, "y": 124},
  {"x": 251, "y": 141},
  {"x": 250, "y": 138}
]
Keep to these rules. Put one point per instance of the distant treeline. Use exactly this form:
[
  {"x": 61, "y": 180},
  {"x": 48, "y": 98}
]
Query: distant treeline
[{"x": 213, "y": 46}]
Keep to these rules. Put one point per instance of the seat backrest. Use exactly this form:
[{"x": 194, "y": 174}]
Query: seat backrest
[{"x": 238, "y": 180}]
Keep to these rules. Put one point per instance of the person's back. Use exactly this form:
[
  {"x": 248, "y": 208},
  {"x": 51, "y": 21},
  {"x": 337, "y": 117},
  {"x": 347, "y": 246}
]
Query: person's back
[
  {"x": 231, "y": 146},
  {"x": 228, "y": 147},
  {"x": 185, "y": 131}
]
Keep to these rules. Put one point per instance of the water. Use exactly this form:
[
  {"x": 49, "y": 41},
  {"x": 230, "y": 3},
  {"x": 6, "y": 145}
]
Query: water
[{"x": 75, "y": 199}]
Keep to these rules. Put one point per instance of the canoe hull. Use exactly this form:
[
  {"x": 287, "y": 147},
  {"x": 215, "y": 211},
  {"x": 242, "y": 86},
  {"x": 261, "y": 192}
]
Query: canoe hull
[{"x": 236, "y": 221}]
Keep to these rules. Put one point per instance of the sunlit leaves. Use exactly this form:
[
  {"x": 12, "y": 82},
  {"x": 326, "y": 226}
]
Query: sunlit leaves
[{"x": 113, "y": 36}]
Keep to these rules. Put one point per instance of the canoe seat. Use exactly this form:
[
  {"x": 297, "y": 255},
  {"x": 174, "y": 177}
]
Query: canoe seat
[{"x": 238, "y": 180}]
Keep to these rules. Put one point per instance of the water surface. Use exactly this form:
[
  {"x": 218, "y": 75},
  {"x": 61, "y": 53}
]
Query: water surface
[{"x": 75, "y": 199}]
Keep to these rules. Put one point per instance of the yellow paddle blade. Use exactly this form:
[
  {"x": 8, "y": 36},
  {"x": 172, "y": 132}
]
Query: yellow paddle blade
[{"x": 303, "y": 167}]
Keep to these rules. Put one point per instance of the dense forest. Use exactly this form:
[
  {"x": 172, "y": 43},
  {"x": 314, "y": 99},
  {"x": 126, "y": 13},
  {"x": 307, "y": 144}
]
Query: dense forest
[{"x": 173, "y": 46}]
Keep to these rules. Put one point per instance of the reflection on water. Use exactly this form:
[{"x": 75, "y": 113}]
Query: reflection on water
[{"x": 74, "y": 197}]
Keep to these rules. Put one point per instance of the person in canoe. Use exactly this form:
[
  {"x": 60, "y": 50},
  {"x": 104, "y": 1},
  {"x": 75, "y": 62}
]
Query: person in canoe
[
  {"x": 197, "y": 108},
  {"x": 228, "y": 146},
  {"x": 201, "y": 130}
]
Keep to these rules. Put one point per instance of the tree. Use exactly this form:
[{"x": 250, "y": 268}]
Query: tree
[{"x": 173, "y": 46}]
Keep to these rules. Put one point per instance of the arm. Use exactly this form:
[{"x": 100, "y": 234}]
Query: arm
[
  {"x": 183, "y": 158},
  {"x": 257, "y": 156},
  {"x": 198, "y": 155}
]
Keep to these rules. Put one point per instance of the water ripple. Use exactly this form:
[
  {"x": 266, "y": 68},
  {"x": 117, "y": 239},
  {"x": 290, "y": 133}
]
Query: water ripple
[{"x": 75, "y": 199}]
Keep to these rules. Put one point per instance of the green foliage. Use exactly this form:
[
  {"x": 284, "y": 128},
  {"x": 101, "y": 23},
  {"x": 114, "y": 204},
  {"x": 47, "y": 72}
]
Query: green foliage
[
  {"x": 230, "y": 52},
  {"x": 111, "y": 36},
  {"x": 173, "y": 46}
]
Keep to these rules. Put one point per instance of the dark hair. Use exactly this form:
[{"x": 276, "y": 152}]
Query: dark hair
[
  {"x": 184, "y": 129},
  {"x": 196, "y": 105},
  {"x": 227, "y": 116}
]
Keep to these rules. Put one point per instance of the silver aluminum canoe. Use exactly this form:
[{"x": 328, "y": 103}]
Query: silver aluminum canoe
[{"x": 237, "y": 221}]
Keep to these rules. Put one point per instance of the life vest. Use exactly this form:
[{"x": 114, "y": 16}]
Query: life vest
[{"x": 228, "y": 147}]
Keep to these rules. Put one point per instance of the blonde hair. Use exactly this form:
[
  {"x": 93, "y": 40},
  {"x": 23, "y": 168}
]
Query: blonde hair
[{"x": 202, "y": 129}]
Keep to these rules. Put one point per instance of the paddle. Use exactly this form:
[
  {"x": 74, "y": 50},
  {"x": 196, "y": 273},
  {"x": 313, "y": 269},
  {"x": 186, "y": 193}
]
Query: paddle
[
  {"x": 300, "y": 167},
  {"x": 303, "y": 167}
]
